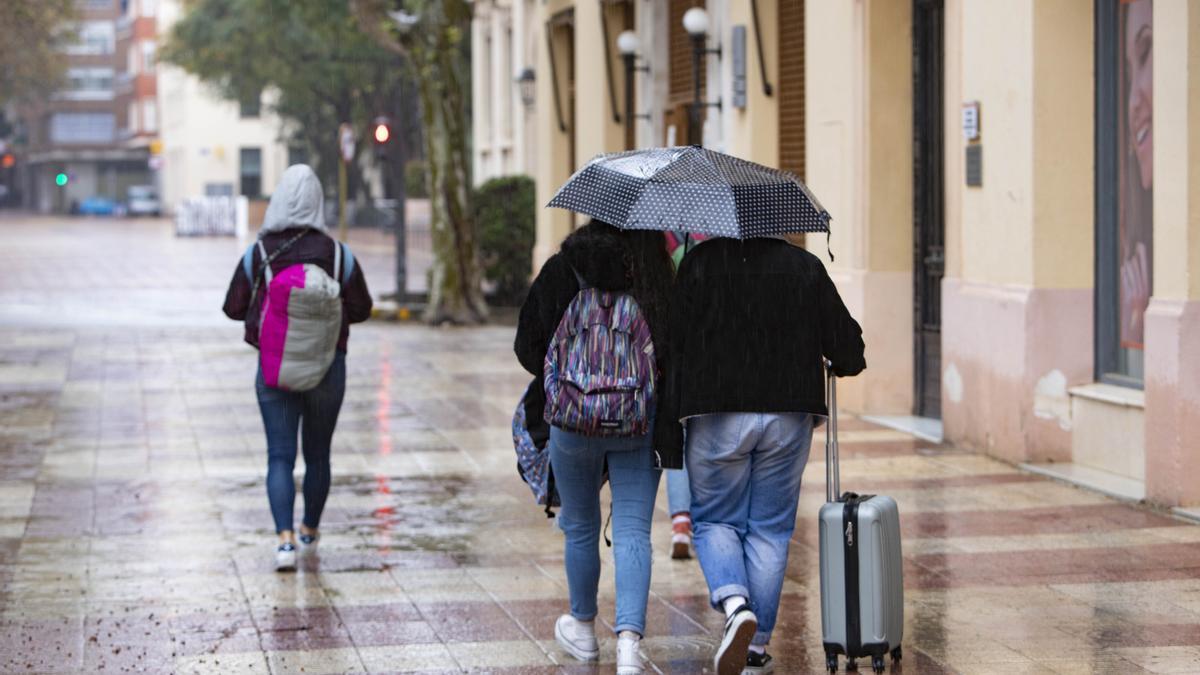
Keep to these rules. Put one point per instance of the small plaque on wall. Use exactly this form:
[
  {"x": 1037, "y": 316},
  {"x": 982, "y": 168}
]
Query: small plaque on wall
[
  {"x": 739, "y": 66},
  {"x": 975, "y": 165}
]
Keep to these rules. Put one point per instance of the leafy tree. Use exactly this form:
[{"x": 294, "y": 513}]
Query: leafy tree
[
  {"x": 32, "y": 33},
  {"x": 433, "y": 36},
  {"x": 321, "y": 68}
]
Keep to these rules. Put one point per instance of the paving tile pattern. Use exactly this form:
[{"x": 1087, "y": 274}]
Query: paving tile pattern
[{"x": 135, "y": 534}]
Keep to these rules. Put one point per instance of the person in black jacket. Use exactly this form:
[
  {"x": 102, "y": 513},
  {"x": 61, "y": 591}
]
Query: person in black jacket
[
  {"x": 633, "y": 262},
  {"x": 750, "y": 324}
]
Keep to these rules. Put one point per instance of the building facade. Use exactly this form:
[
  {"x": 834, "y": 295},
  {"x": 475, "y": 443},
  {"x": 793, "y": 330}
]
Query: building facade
[
  {"x": 503, "y": 54},
  {"x": 80, "y": 143},
  {"x": 212, "y": 146},
  {"x": 990, "y": 171}
]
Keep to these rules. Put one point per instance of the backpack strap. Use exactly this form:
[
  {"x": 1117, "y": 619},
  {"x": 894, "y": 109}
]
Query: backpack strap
[
  {"x": 248, "y": 263},
  {"x": 348, "y": 264},
  {"x": 337, "y": 258},
  {"x": 579, "y": 278},
  {"x": 262, "y": 251}
]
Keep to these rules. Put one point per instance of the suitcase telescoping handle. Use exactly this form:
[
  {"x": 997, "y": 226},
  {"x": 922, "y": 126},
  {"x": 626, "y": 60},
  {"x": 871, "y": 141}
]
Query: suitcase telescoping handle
[{"x": 833, "y": 480}]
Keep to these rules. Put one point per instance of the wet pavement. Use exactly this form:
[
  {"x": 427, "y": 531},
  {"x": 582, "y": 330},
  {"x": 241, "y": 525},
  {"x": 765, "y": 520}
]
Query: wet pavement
[{"x": 135, "y": 534}]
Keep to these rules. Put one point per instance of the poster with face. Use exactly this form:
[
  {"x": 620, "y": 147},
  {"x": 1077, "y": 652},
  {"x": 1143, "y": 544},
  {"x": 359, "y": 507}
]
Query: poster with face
[{"x": 1136, "y": 172}]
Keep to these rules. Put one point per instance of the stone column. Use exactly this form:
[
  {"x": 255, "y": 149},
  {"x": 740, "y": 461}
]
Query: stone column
[
  {"x": 1017, "y": 298},
  {"x": 1172, "y": 365},
  {"x": 858, "y": 119}
]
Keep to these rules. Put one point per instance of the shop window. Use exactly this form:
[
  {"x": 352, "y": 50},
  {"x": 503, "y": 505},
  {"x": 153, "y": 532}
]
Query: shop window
[
  {"x": 1124, "y": 186},
  {"x": 250, "y": 169}
]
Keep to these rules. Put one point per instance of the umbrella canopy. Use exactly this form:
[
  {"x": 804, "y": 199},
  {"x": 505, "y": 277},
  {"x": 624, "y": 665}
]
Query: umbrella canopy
[{"x": 692, "y": 189}]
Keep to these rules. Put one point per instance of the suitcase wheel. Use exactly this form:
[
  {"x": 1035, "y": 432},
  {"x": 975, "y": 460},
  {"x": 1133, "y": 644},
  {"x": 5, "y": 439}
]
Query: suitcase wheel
[
  {"x": 896, "y": 654},
  {"x": 877, "y": 664},
  {"x": 831, "y": 663}
]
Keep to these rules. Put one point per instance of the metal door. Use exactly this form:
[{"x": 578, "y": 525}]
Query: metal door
[{"x": 928, "y": 226}]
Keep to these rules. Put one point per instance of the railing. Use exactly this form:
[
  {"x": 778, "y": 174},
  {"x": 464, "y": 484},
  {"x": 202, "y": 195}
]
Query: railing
[{"x": 212, "y": 216}]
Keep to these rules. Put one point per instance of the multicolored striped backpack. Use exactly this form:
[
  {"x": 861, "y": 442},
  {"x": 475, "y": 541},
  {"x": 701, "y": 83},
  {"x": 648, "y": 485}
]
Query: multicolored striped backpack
[{"x": 600, "y": 369}]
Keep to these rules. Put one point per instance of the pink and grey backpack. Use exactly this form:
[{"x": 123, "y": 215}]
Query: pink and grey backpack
[
  {"x": 299, "y": 318},
  {"x": 600, "y": 369}
]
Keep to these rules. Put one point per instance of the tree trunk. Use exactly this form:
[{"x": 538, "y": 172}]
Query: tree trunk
[{"x": 455, "y": 294}]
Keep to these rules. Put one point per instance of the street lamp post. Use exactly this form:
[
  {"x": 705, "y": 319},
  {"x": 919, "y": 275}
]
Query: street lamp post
[
  {"x": 695, "y": 22},
  {"x": 627, "y": 45}
]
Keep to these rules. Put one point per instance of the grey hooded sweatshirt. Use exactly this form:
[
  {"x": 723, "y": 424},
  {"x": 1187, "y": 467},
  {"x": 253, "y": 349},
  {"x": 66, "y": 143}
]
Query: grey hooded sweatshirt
[{"x": 297, "y": 206}]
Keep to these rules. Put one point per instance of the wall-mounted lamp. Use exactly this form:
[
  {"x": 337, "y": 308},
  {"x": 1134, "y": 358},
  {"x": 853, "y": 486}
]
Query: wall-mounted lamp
[
  {"x": 695, "y": 22},
  {"x": 527, "y": 85}
]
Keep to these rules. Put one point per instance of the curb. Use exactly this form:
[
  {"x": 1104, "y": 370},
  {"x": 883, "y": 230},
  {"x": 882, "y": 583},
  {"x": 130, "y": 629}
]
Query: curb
[{"x": 387, "y": 310}]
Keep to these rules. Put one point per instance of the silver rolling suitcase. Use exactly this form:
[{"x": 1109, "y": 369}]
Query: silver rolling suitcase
[{"x": 862, "y": 589}]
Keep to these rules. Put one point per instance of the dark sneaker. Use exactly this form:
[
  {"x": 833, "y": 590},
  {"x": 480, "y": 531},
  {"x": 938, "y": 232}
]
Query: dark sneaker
[
  {"x": 735, "y": 642},
  {"x": 758, "y": 663}
]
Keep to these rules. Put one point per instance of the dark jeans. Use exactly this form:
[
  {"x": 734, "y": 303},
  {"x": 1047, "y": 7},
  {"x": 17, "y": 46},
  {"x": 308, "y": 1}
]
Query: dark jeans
[{"x": 285, "y": 415}]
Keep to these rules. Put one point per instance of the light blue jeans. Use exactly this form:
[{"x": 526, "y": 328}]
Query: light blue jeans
[
  {"x": 578, "y": 464},
  {"x": 679, "y": 492},
  {"x": 745, "y": 474}
]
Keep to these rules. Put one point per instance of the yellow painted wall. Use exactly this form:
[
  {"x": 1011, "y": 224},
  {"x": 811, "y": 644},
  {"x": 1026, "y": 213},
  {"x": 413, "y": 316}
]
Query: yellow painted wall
[
  {"x": 888, "y": 142},
  {"x": 1176, "y": 150},
  {"x": 996, "y": 47},
  {"x": 952, "y": 144},
  {"x": 553, "y": 145},
  {"x": 832, "y": 116},
  {"x": 1063, "y": 144},
  {"x": 753, "y": 131}
]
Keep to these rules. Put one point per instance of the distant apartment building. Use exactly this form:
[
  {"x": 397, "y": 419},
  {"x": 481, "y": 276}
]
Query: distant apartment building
[
  {"x": 137, "y": 84},
  {"x": 212, "y": 146},
  {"x": 78, "y": 143}
]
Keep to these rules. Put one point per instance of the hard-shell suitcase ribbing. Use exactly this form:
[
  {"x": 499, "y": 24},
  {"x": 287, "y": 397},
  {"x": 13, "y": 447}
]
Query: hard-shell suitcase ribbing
[{"x": 862, "y": 586}]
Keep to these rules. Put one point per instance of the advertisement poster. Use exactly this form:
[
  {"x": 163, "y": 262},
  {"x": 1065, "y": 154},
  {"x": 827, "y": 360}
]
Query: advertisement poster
[{"x": 1136, "y": 173}]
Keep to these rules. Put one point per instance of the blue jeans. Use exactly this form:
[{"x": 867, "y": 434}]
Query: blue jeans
[
  {"x": 745, "y": 470},
  {"x": 313, "y": 414},
  {"x": 578, "y": 464},
  {"x": 679, "y": 492}
]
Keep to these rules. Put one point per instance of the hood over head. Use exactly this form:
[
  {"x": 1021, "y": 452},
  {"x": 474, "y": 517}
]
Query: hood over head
[
  {"x": 298, "y": 201},
  {"x": 597, "y": 252}
]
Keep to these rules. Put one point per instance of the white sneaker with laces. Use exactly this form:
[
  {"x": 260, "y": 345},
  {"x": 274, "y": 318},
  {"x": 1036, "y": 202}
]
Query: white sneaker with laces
[
  {"x": 629, "y": 659},
  {"x": 285, "y": 558},
  {"x": 578, "y": 638}
]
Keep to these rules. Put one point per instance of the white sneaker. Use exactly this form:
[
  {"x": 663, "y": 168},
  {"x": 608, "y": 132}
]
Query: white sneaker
[
  {"x": 629, "y": 659},
  {"x": 285, "y": 558},
  {"x": 578, "y": 638},
  {"x": 730, "y": 658}
]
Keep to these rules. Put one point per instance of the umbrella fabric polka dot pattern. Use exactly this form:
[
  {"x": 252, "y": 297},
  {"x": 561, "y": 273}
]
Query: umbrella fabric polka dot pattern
[{"x": 694, "y": 190}]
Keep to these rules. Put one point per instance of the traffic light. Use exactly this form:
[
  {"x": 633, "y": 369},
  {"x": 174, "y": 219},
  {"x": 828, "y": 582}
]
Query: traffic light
[
  {"x": 382, "y": 133},
  {"x": 7, "y": 161},
  {"x": 61, "y": 179}
]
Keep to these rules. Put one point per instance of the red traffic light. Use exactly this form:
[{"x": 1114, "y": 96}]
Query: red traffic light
[
  {"x": 8, "y": 160},
  {"x": 383, "y": 130}
]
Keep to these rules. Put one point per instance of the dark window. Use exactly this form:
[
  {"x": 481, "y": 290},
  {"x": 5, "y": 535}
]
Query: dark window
[
  {"x": 249, "y": 107},
  {"x": 1124, "y": 187},
  {"x": 251, "y": 171}
]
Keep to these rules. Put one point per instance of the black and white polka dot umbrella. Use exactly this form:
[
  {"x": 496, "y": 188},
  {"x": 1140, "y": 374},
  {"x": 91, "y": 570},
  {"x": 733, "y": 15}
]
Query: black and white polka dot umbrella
[{"x": 692, "y": 189}]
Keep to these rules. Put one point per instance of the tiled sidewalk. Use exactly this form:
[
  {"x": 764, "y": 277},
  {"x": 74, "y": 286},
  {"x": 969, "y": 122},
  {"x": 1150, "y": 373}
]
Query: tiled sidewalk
[{"x": 135, "y": 534}]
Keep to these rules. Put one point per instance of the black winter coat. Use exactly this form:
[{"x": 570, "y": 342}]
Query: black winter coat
[
  {"x": 750, "y": 321},
  {"x": 596, "y": 252}
]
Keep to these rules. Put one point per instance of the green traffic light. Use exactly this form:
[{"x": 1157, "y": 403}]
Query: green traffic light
[{"x": 60, "y": 179}]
